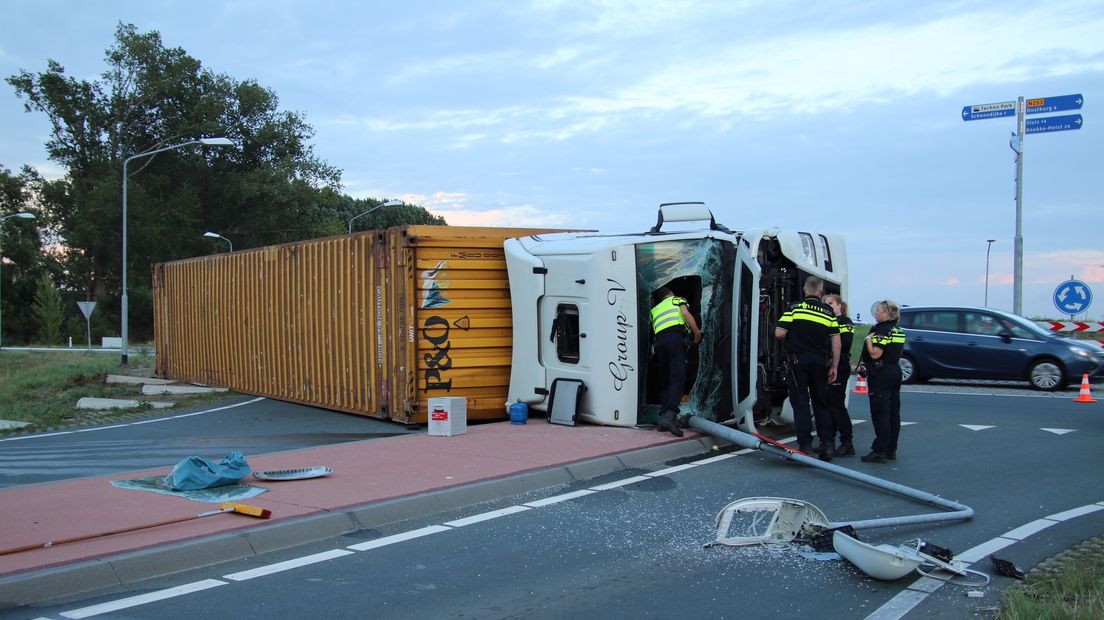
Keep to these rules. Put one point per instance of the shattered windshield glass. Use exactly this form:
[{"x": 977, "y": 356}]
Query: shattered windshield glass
[{"x": 699, "y": 270}]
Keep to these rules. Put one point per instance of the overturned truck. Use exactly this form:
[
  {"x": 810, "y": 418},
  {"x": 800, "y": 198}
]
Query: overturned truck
[{"x": 377, "y": 323}]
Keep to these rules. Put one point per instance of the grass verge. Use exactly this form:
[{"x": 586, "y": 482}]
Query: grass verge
[
  {"x": 1069, "y": 585},
  {"x": 42, "y": 389}
]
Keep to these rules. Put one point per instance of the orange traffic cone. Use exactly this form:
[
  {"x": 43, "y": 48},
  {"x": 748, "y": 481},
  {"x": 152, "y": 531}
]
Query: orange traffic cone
[
  {"x": 1086, "y": 395},
  {"x": 860, "y": 386}
]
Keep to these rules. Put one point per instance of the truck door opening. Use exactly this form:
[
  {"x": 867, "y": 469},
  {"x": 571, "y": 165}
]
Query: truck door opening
[{"x": 700, "y": 271}]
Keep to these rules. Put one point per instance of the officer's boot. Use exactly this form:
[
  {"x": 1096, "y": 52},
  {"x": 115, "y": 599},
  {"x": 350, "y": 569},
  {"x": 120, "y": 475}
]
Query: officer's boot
[
  {"x": 846, "y": 448},
  {"x": 825, "y": 453},
  {"x": 668, "y": 423}
]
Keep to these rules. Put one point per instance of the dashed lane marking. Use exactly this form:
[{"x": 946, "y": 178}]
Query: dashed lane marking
[
  {"x": 1057, "y": 431},
  {"x": 142, "y": 599},
  {"x": 976, "y": 427},
  {"x": 280, "y": 567}
]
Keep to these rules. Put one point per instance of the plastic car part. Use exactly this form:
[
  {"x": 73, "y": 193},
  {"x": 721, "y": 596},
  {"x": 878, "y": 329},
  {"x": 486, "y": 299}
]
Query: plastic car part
[
  {"x": 884, "y": 562},
  {"x": 767, "y": 520}
]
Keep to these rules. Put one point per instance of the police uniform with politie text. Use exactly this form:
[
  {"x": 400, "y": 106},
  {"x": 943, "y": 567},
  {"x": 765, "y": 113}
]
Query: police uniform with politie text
[
  {"x": 670, "y": 319},
  {"x": 812, "y": 339}
]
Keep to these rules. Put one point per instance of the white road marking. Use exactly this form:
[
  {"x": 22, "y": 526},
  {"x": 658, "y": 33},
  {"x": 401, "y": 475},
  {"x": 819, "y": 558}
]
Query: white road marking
[
  {"x": 142, "y": 599},
  {"x": 280, "y": 567},
  {"x": 397, "y": 538},
  {"x": 1057, "y": 431},
  {"x": 620, "y": 483},
  {"x": 1029, "y": 529},
  {"x": 486, "y": 516},
  {"x": 671, "y": 470},
  {"x": 104, "y": 428},
  {"x": 976, "y": 427},
  {"x": 1075, "y": 512},
  {"x": 555, "y": 499}
]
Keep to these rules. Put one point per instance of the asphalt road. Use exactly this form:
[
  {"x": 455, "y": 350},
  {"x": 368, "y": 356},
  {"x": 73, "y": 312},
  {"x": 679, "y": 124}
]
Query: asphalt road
[
  {"x": 246, "y": 424},
  {"x": 636, "y": 550}
]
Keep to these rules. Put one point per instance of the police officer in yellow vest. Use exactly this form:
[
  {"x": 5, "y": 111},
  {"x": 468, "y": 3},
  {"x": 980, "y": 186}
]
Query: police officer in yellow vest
[{"x": 670, "y": 319}]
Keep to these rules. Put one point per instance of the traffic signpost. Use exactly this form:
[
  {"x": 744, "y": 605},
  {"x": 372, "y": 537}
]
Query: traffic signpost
[
  {"x": 1072, "y": 297},
  {"x": 86, "y": 308},
  {"x": 1046, "y": 105},
  {"x": 1045, "y": 124},
  {"x": 1053, "y": 123}
]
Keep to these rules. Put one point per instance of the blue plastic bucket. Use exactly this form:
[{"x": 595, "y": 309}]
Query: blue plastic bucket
[{"x": 519, "y": 413}]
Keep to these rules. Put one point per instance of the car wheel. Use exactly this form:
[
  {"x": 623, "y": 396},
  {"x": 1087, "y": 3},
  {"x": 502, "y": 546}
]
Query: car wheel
[
  {"x": 1046, "y": 375},
  {"x": 908, "y": 370}
]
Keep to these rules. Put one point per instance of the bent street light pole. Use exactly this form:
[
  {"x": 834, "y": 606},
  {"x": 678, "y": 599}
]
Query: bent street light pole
[
  {"x": 215, "y": 235},
  {"x": 389, "y": 203},
  {"x": 987, "y": 248},
  {"x": 126, "y": 162},
  {"x": 23, "y": 215}
]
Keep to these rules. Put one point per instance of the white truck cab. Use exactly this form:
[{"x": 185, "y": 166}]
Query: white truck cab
[{"x": 581, "y": 328}]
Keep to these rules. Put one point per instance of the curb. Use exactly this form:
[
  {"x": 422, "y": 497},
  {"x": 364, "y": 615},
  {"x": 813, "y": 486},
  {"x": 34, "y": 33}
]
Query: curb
[{"x": 136, "y": 566}]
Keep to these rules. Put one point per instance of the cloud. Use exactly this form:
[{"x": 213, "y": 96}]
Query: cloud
[
  {"x": 800, "y": 71},
  {"x": 952, "y": 281}
]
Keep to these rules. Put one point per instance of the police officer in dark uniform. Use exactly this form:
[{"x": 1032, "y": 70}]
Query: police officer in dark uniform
[
  {"x": 837, "y": 390},
  {"x": 881, "y": 352},
  {"x": 670, "y": 318},
  {"x": 813, "y": 346}
]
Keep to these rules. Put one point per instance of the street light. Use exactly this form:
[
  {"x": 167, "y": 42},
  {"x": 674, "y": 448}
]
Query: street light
[
  {"x": 987, "y": 248},
  {"x": 218, "y": 236},
  {"x": 204, "y": 142},
  {"x": 389, "y": 203},
  {"x": 23, "y": 215}
]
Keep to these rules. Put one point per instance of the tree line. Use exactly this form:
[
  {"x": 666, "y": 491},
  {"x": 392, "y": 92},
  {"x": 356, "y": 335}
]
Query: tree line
[{"x": 268, "y": 188}]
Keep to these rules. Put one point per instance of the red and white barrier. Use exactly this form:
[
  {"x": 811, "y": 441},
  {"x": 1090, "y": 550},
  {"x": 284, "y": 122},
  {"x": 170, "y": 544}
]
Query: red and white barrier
[
  {"x": 1072, "y": 326},
  {"x": 1075, "y": 326}
]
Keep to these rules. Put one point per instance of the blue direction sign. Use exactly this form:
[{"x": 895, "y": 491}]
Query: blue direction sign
[
  {"x": 1072, "y": 297},
  {"x": 988, "y": 110},
  {"x": 1044, "y": 105},
  {"x": 1053, "y": 123}
]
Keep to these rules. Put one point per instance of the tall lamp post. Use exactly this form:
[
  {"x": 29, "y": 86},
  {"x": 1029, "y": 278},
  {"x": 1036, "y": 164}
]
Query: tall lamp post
[
  {"x": 23, "y": 215},
  {"x": 214, "y": 235},
  {"x": 987, "y": 248},
  {"x": 389, "y": 203},
  {"x": 126, "y": 162}
]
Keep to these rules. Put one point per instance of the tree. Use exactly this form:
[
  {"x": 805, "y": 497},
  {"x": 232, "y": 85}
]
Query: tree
[
  {"x": 270, "y": 189},
  {"x": 48, "y": 311},
  {"x": 20, "y": 251}
]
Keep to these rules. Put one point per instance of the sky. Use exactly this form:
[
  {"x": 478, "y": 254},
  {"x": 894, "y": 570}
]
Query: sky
[{"x": 823, "y": 116}]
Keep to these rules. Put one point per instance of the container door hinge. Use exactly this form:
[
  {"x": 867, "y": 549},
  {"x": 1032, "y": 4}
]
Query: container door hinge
[{"x": 540, "y": 270}]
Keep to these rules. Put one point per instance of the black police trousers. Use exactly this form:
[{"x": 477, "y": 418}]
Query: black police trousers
[
  {"x": 808, "y": 385},
  {"x": 670, "y": 350},
  {"x": 885, "y": 408},
  {"x": 837, "y": 397}
]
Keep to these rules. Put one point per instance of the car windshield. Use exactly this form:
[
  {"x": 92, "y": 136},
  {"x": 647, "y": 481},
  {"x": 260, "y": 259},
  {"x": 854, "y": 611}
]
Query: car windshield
[{"x": 1032, "y": 328}]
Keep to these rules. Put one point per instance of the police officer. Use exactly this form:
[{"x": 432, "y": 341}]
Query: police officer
[
  {"x": 670, "y": 318},
  {"x": 837, "y": 390},
  {"x": 812, "y": 339},
  {"x": 881, "y": 352}
]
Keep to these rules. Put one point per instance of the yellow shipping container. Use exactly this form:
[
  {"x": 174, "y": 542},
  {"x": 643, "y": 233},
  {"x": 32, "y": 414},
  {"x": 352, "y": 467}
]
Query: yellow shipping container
[{"x": 372, "y": 323}]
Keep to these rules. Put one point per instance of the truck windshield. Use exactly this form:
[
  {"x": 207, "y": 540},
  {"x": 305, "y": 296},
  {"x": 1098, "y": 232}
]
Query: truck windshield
[{"x": 700, "y": 271}]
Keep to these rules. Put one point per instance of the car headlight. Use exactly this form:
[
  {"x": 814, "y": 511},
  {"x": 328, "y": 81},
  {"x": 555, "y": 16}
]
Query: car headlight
[{"x": 1080, "y": 351}]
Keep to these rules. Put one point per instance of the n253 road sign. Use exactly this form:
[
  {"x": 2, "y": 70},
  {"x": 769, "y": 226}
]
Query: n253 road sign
[
  {"x": 1053, "y": 123},
  {"x": 1044, "y": 105}
]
